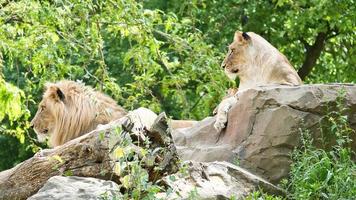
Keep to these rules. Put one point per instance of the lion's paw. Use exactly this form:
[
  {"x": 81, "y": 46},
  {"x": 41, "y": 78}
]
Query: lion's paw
[
  {"x": 220, "y": 124},
  {"x": 221, "y": 119},
  {"x": 222, "y": 113}
]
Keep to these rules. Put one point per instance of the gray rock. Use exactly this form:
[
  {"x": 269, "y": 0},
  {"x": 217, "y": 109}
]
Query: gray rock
[
  {"x": 215, "y": 180},
  {"x": 73, "y": 187},
  {"x": 263, "y": 127}
]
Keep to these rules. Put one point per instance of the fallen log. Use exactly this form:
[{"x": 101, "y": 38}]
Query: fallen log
[{"x": 93, "y": 155}]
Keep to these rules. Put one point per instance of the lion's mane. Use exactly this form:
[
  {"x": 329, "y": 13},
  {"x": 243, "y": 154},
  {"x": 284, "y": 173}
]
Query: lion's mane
[{"x": 69, "y": 109}]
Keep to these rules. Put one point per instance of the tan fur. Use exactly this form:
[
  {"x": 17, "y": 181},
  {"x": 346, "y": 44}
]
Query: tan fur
[
  {"x": 229, "y": 93},
  {"x": 176, "y": 124},
  {"x": 70, "y": 109},
  {"x": 256, "y": 62}
]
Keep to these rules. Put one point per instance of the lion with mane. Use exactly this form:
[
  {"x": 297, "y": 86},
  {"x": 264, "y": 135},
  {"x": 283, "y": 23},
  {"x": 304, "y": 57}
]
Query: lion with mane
[
  {"x": 70, "y": 109},
  {"x": 257, "y": 63}
]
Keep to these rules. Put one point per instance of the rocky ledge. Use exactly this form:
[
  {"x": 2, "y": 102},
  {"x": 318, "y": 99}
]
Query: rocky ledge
[{"x": 265, "y": 125}]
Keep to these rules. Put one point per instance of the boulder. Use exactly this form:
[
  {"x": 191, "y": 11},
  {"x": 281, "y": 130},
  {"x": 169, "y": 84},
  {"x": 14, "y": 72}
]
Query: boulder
[
  {"x": 215, "y": 180},
  {"x": 264, "y": 127},
  {"x": 197, "y": 180},
  {"x": 74, "y": 187}
]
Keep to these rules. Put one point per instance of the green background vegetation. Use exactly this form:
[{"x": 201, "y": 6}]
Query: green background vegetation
[{"x": 160, "y": 54}]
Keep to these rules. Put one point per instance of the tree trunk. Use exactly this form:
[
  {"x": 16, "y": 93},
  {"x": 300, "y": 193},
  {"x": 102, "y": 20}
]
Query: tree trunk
[
  {"x": 312, "y": 54},
  {"x": 88, "y": 156}
]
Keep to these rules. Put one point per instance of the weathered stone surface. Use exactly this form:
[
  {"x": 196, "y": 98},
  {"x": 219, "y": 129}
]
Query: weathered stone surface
[
  {"x": 73, "y": 187},
  {"x": 215, "y": 180},
  {"x": 263, "y": 127}
]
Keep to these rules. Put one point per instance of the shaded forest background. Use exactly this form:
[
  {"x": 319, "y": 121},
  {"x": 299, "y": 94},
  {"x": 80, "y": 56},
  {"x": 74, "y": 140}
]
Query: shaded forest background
[{"x": 161, "y": 54}]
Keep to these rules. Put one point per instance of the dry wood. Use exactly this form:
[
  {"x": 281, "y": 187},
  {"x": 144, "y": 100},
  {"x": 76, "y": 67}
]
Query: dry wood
[{"x": 87, "y": 156}]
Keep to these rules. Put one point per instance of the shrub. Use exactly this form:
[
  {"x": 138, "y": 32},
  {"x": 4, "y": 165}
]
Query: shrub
[
  {"x": 330, "y": 173},
  {"x": 327, "y": 173}
]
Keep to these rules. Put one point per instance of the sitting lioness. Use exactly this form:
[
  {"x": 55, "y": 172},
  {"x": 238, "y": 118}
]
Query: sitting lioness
[{"x": 256, "y": 62}]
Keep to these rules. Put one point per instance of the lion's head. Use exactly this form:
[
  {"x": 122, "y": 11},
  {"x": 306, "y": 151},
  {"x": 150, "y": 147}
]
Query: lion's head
[
  {"x": 69, "y": 109},
  {"x": 44, "y": 121},
  {"x": 257, "y": 62}
]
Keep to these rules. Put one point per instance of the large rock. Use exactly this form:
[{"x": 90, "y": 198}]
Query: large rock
[
  {"x": 215, "y": 180},
  {"x": 198, "y": 180},
  {"x": 73, "y": 187},
  {"x": 264, "y": 127}
]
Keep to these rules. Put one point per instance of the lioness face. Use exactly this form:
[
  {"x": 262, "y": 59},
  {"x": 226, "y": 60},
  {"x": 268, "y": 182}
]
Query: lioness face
[
  {"x": 44, "y": 121},
  {"x": 235, "y": 60}
]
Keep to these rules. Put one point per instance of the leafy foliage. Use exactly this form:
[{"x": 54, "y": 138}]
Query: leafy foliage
[
  {"x": 14, "y": 117},
  {"x": 326, "y": 174},
  {"x": 292, "y": 26},
  {"x": 10, "y": 101},
  {"x": 138, "y": 56},
  {"x": 132, "y": 160}
]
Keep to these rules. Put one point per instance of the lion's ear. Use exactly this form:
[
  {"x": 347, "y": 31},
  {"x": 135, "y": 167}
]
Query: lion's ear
[
  {"x": 242, "y": 37},
  {"x": 246, "y": 36},
  {"x": 60, "y": 94},
  {"x": 55, "y": 92}
]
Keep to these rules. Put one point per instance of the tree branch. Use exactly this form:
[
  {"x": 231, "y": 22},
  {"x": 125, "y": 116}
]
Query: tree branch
[
  {"x": 312, "y": 54},
  {"x": 305, "y": 43},
  {"x": 336, "y": 33},
  {"x": 91, "y": 155}
]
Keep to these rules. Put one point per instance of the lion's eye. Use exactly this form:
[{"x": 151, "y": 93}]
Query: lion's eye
[{"x": 232, "y": 51}]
